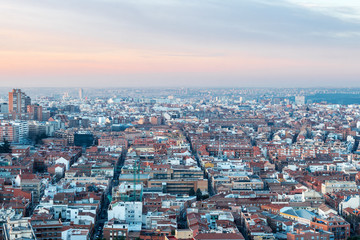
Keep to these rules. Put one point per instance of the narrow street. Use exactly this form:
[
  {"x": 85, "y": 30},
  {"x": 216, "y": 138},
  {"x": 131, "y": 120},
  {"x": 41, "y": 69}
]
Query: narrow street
[{"x": 102, "y": 217}]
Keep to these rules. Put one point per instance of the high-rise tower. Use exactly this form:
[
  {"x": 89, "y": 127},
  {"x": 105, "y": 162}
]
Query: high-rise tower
[
  {"x": 81, "y": 93},
  {"x": 18, "y": 101}
]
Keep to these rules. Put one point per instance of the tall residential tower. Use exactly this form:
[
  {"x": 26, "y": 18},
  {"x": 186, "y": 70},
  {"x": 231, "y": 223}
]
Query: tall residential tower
[{"x": 18, "y": 101}]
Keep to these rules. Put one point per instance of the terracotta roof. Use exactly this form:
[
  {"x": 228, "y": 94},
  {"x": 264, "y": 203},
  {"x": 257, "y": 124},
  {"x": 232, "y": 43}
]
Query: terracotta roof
[
  {"x": 28, "y": 176},
  {"x": 219, "y": 236}
]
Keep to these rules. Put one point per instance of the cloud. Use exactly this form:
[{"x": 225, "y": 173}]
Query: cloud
[
  {"x": 348, "y": 10},
  {"x": 174, "y": 23},
  {"x": 127, "y": 39}
]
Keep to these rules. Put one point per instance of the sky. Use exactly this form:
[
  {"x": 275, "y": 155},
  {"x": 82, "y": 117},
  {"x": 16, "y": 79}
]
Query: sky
[{"x": 180, "y": 43}]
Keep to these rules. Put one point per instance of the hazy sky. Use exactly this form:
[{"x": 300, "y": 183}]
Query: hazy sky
[{"x": 104, "y": 43}]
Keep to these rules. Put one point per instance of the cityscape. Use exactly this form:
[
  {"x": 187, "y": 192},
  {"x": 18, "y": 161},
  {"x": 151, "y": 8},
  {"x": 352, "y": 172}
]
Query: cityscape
[
  {"x": 179, "y": 120},
  {"x": 185, "y": 163}
]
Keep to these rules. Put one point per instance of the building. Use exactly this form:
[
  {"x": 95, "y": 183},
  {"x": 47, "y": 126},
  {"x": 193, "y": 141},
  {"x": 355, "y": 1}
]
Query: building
[
  {"x": 81, "y": 93},
  {"x": 302, "y": 216},
  {"x": 14, "y": 131},
  {"x": 75, "y": 234},
  {"x": 312, "y": 196},
  {"x": 79, "y": 122},
  {"x": 335, "y": 186},
  {"x": 130, "y": 212},
  {"x": 112, "y": 141},
  {"x": 115, "y": 229},
  {"x": 127, "y": 191},
  {"x": 21, "y": 150},
  {"x": 18, "y": 229},
  {"x": 35, "y": 112},
  {"x": 248, "y": 184},
  {"x": 30, "y": 183},
  {"x": 18, "y": 102},
  {"x": 5, "y": 215},
  {"x": 41, "y": 129},
  {"x": 219, "y": 236},
  {"x": 183, "y": 234},
  {"x": 179, "y": 186},
  {"x": 83, "y": 138},
  {"x": 21, "y": 131},
  {"x": 350, "y": 202},
  {"x": 310, "y": 234},
  {"x": 4, "y": 108},
  {"x": 187, "y": 173},
  {"x": 7, "y": 132},
  {"x": 299, "y": 100},
  {"x": 335, "y": 224},
  {"x": 47, "y": 229}
]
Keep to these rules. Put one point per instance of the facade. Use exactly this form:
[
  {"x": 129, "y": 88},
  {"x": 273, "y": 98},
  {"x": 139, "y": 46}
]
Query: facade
[
  {"x": 299, "y": 100},
  {"x": 21, "y": 150},
  {"x": 21, "y": 131},
  {"x": 112, "y": 142},
  {"x": 337, "y": 225},
  {"x": 5, "y": 215},
  {"x": 183, "y": 173},
  {"x": 115, "y": 229},
  {"x": 335, "y": 186},
  {"x": 18, "y": 229},
  {"x": 4, "y": 108},
  {"x": 130, "y": 212},
  {"x": 14, "y": 131},
  {"x": 312, "y": 196},
  {"x": 248, "y": 184},
  {"x": 47, "y": 229},
  {"x": 42, "y": 129},
  {"x": 18, "y": 102},
  {"x": 350, "y": 202},
  {"x": 181, "y": 186},
  {"x": 83, "y": 139},
  {"x": 76, "y": 234},
  {"x": 63, "y": 161},
  {"x": 35, "y": 112},
  {"x": 260, "y": 168},
  {"x": 219, "y": 236},
  {"x": 310, "y": 234},
  {"x": 81, "y": 93},
  {"x": 7, "y": 132},
  {"x": 29, "y": 183}
]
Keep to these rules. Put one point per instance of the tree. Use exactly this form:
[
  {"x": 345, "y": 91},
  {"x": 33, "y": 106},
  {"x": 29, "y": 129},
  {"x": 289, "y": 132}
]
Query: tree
[
  {"x": 198, "y": 195},
  {"x": 295, "y": 137},
  {"x": 39, "y": 138},
  {"x": 206, "y": 196},
  {"x": 354, "y": 238},
  {"x": 120, "y": 238},
  {"x": 5, "y": 147},
  {"x": 192, "y": 192},
  {"x": 354, "y": 222},
  {"x": 271, "y": 135}
]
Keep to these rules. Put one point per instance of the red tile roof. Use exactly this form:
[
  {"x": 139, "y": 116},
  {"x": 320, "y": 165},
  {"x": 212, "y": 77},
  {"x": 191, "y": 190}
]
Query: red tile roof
[{"x": 219, "y": 236}]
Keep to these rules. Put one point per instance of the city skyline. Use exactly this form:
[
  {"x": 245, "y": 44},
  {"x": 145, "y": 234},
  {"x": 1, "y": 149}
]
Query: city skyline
[
  {"x": 174, "y": 43},
  {"x": 180, "y": 164},
  {"x": 179, "y": 120}
]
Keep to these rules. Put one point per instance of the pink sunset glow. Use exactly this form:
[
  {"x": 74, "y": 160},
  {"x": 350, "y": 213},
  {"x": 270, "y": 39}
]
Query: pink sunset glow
[{"x": 43, "y": 42}]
